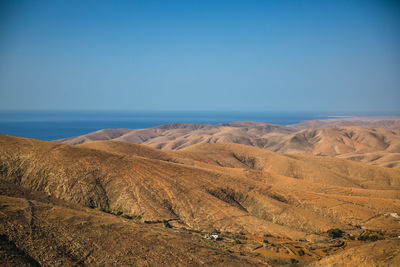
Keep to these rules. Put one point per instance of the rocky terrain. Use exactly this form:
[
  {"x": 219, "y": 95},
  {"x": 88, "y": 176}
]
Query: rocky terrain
[{"x": 69, "y": 204}]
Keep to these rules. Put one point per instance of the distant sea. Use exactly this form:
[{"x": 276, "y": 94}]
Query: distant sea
[{"x": 47, "y": 125}]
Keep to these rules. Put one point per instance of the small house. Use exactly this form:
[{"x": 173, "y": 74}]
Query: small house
[
  {"x": 214, "y": 237},
  {"x": 211, "y": 236}
]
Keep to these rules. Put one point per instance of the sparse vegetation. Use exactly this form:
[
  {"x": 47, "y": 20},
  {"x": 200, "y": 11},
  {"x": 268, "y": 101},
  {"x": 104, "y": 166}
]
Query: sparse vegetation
[
  {"x": 120, "y": 213},
  {"x": 265, "y": 241},
  {"x": 212, "y": 243},
  {"x": 371, "y": 238},
  {"x": 103, "y": 210},
  {"x": 301, "y": 252},
  {"x": 335, "y": 233},
  {"x": 278, "y": 261},
  {"x": 242, "y": 237},
  {"x": 293, "y": 261},
  {"x": 166, "y": 224},
  {"x": 349, "y": 237}
]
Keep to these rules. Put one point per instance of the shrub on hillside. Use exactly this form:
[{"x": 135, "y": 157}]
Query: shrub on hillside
[
  {"x": 166, "y": 224},
  {"x": 335, "y": 233},
  {"x": 372, "y": 238},
  {"x": 301, "y": 252},
  {"x": 126, "y": 216}
]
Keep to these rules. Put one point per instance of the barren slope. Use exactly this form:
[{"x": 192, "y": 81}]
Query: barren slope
[{"x": 36, "y": 230}]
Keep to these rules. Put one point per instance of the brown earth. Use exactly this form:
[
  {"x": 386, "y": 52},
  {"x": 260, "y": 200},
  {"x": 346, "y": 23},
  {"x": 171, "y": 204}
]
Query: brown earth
[{"x": 230, "y": 188}]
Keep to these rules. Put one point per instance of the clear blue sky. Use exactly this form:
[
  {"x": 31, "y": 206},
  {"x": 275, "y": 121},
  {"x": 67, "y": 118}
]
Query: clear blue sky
[{"x": 322, "y": 56}]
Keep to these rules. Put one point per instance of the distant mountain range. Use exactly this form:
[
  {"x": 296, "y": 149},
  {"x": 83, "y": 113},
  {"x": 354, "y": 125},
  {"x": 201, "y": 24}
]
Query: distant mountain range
[{"x": 375, "y": 141}]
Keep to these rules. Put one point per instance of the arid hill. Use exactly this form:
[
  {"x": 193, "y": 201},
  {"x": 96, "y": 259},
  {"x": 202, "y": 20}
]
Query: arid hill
[
  {"x": 340, "y": 141},
  {"x": 36, "y": 230},
  {"x": 289, "y": 201},
  {"x": 376, "y": 146}
]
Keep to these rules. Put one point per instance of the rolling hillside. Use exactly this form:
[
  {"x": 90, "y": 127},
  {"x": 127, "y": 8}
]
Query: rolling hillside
[
  {"x": 37, "y": 230},
  {"x": 229, "y": 188}
]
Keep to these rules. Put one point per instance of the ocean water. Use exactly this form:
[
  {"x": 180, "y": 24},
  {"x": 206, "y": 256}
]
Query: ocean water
[{"x": 48, "y": 125}]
